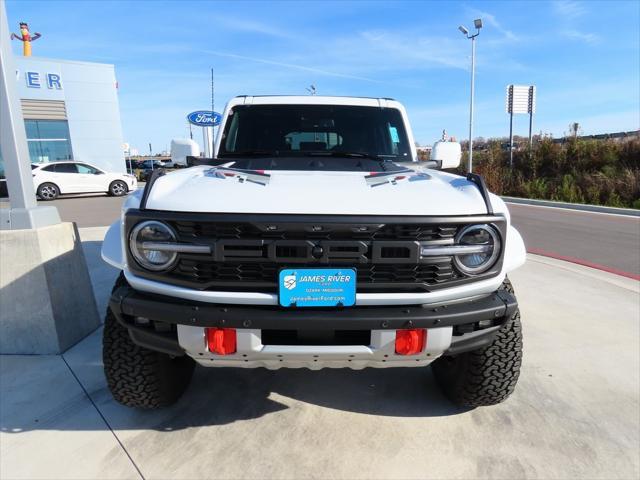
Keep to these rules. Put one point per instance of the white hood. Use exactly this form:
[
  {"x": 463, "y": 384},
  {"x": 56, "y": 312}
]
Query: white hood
[{"x": 312, "y": 192}]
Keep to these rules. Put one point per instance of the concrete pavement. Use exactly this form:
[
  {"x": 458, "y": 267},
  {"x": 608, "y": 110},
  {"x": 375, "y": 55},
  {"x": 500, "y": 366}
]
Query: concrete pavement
[{"x": 575, "y": 412}]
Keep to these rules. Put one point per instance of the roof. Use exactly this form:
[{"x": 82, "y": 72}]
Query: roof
[{"x": 313, "y": 100}]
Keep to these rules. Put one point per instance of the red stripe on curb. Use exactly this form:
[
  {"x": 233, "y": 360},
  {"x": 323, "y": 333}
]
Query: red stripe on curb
[{"x": 579, "y": 261}]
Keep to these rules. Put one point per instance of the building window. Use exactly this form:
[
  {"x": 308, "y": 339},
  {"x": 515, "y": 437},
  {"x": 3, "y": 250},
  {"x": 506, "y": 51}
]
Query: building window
[{"x": 48, "y": 140}]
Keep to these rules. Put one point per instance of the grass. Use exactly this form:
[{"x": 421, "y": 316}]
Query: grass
[{"x": 579, "y": 171}]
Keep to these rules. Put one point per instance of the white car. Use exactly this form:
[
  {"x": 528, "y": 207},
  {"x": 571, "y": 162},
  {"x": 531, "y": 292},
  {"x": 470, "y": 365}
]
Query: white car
[
  {"x": 316, "y": 241},
  {"x": 60, "y": 178}
]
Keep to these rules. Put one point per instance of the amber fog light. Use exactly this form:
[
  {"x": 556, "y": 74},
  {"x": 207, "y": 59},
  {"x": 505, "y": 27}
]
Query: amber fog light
[
  {"x": 221, "y": 341},
  {"x": 411, "y": 341}
]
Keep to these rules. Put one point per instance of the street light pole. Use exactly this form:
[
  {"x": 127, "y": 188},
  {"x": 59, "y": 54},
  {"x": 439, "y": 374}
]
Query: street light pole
[
  {"x": 473, "y": 84},
  {"x": 478, "y": 24}
]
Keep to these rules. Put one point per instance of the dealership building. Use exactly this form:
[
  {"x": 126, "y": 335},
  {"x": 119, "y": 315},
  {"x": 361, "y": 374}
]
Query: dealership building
[{"x": 70, "y": 112}]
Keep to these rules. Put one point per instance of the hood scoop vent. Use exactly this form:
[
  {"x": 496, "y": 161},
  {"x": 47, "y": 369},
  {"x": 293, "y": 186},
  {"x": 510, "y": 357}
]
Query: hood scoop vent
[
  {"x": 393, "y": 178},
  {"x": 241, "y": 176}
]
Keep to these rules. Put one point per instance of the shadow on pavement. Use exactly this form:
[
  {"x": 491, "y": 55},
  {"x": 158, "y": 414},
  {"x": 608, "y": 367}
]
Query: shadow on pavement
[
  {"x": 221, "y": 396},
  {"x": 224, "y": 395},
  {"x": 216, "y": 396}
]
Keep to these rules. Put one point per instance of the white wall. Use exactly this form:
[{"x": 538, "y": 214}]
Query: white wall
[{"x": 91, "y": 98}]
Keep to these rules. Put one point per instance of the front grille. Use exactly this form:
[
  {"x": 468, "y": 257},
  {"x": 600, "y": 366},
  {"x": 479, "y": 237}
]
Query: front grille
[
  {"x": 206, "y": 231},
  {"x": 248, "y": 251},
  {"x": 263, "y": 276}
]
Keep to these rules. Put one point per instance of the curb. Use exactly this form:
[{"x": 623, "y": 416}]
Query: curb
[
  {"x": 584, "y": 263},
  {"x": 631, "y": 212}
]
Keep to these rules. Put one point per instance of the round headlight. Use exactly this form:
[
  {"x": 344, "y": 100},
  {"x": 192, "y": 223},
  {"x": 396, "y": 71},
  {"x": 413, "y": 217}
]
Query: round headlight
[
  {"x": 141, "y": 239},
  {"x": 487, "y": 241}
]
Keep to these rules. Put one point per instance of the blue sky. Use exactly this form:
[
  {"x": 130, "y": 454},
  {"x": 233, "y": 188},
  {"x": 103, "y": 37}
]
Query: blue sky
[{"x": 584, "y": 58}]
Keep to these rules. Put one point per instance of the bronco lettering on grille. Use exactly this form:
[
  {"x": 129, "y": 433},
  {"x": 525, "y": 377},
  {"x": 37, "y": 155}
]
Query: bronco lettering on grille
[{"x": 320, "y": 251}]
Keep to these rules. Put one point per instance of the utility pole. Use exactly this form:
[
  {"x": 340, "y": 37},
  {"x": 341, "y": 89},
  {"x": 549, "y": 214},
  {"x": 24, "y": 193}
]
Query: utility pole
[
  {"x": 478, "y": 25},
  {"x": 473, "y": 83},
  {"x": 212, "y": 131}
]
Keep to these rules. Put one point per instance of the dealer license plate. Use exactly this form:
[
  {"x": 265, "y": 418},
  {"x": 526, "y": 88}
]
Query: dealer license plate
[{"x": 317, "y": 287}]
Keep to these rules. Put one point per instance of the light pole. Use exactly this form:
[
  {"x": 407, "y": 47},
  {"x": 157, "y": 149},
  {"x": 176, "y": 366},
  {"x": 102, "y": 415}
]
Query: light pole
[{"x": 478, "y": 24}]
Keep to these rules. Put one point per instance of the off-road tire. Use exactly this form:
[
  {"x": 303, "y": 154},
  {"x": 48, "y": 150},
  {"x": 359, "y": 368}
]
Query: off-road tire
[
  {"x": 118, "y": 188},
  {"x": 139, "y": 377},
  {"x": 48, "y": 191},
  {"x": 486, "y": 376}
]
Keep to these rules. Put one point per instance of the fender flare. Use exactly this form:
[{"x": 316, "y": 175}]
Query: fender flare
[
  {"x": 516, "y": 253},
  {"x": 112, "y": 246}
]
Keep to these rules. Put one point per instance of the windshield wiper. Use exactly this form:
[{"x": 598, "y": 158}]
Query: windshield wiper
[
  {"x": 341, "y": 154},
  {"x": 251, "y": 153},
  {"x": 382, "y": 160}
]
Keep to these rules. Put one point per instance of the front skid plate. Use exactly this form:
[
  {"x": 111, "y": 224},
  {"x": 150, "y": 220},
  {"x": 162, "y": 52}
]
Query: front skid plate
[{"x": 251, "y": 353}]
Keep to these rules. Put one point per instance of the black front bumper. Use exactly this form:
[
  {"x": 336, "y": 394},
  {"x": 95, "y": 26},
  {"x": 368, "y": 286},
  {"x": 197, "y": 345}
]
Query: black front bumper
[{"x": 166, "y": 312}]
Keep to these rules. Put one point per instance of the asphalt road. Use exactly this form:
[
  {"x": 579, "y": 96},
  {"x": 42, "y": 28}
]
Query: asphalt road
[{"x": 600, "y": 240}]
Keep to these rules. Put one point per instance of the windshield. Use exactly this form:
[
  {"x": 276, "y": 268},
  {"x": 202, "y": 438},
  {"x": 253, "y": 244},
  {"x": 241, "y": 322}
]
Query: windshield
[{"x": 347, "y": 137}]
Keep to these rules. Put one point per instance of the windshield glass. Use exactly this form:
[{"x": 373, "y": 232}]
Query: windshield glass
[{"x": 348, "y": 137}]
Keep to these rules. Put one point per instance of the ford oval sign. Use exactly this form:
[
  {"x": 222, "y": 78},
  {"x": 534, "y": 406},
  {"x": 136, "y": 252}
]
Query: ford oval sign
[{"x": 204, "y": 118}]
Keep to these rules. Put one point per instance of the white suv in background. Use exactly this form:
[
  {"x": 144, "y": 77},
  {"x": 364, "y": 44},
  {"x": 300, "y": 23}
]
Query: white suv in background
[{"x": 58, "y": 178}]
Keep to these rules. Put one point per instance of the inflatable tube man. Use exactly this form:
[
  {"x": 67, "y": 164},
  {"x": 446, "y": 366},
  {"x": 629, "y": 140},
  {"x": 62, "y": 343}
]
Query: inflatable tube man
[{"x": 25, "y": 38}]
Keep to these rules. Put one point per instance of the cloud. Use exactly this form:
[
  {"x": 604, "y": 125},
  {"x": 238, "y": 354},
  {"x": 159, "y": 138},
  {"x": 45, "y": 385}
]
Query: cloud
[
  {"x": 490, "y": 19},
  {"x": 572, "y": 34},
  {"x": 288, "y": 65},
  {"x": 390, "y": 50},
  {"x": 251, "y": 26},
  {"x": 569, "y": 8},
  {"x": 568, "y": 12}
]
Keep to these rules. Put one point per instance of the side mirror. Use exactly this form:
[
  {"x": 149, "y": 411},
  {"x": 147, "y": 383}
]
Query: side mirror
[
  {"x": 446, "y": 154},
  {"x": 98, "y": 172}
]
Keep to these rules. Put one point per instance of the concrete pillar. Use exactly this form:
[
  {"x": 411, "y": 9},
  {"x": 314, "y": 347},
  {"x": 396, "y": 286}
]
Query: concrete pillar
[
  {"x": 24, "y": 213},
  {"x": 46, "y": 299}
]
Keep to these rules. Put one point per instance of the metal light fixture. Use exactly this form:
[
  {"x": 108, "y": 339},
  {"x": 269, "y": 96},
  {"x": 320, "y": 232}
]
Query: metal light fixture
[{"x": 478, "y": 24}]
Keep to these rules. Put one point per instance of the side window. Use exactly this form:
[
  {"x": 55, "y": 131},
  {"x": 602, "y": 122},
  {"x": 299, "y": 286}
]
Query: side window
[
  {"x": 50, "y": 168},
  {"x": 82, "y": 168},
  {"x": 66, "y": 168},
  {"x": 232, "y": 136},
  {"x": 395, "y": 139}
]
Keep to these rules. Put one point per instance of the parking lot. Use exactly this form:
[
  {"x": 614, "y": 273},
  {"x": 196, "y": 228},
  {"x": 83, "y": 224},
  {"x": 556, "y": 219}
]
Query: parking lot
[{"x": 575, "y": 412}]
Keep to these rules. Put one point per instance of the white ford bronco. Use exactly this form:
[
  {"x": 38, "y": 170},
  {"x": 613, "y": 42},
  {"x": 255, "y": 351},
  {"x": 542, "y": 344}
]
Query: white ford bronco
[{"x": 314, "y": 239}]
